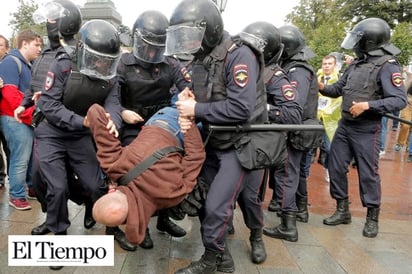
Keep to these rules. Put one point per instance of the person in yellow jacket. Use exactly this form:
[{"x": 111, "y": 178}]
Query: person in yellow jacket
[{"x": 329, "y": 109}]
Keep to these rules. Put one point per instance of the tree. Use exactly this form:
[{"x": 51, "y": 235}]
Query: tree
[
  {"x": 402, "y": 38},
  {"x": 323, "y": 24},
  {"x": 22, "y": 19},
  {"x": 392, "y": 11}
]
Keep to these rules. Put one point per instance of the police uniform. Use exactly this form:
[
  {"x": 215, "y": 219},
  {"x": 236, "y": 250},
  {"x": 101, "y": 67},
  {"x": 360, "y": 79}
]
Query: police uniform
[
  {"x": 39, "y": 71},
  {"x": 64, "y": 102},
  {"x": 235, "y": 76},
  {"x": 283, "y": 109},
  {"x": 281, "y": 97},
  {"x": 377, "y": 80},
  {"x": 304, "y": 80},
  {"x": 145, "y": 88}
]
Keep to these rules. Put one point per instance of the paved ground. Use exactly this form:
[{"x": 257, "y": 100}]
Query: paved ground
[{"x": 320, "y": 249}]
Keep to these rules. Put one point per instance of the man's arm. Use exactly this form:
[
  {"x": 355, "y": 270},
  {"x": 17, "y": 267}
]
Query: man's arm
[{"x": 194, "y": 157}]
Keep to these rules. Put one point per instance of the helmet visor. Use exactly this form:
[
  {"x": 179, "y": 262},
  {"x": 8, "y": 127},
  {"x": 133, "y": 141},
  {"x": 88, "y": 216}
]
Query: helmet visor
[
  {"x": 48, "y": 11},
  {"x": 97, "y": 65},
  {"x": 351, "y": 39},
  {"x": 149, "y": 48},
  {"x": 253, "y": 40},
  {"x": 183, "y": 39}
]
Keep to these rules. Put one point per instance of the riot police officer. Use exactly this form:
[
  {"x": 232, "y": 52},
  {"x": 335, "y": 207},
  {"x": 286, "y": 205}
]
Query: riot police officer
[
  {"x": 282, "y": 104},
  {"x": 370, "y": 86},
  {"x": 57, "y": 28},
  {"x": 293, "y": 184},
  {"x": 63, "y": 137},
  {"x": 146, "y": 78},
  {"x": 281, "y": 94},
  {"x": 227, "y": 89}
]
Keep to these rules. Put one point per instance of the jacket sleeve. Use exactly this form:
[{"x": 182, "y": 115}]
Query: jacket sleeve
[
  {"x": 11, "y": 99},
  {"x": 194, "y": 157}
]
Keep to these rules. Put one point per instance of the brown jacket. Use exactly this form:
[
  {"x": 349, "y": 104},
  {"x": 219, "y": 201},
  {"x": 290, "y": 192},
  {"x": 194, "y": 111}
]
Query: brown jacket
[{"x": 163, "y": 185}]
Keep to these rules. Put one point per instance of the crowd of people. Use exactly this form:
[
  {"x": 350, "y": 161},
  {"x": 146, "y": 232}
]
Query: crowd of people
[{"x": 127, "y": 130}]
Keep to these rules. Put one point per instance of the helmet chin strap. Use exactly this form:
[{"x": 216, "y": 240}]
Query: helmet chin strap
[{"x": 70, "y": 49}]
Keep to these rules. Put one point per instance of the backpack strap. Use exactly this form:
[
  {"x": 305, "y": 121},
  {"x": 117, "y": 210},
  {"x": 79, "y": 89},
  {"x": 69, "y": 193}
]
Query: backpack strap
[
  {"x": 146, "y": 163},
  {"x": 18, "y": 62}
]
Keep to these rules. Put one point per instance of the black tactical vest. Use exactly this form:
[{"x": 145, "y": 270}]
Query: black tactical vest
[
  {"x": 209, "y": 85},
  {"x": 361, "y": 84},
  {"x": 40, "y": 69},
  {"x": 82, "y": 91},
  {"x": 310, "y": 109},
  {"x": 146, "y": 90}
]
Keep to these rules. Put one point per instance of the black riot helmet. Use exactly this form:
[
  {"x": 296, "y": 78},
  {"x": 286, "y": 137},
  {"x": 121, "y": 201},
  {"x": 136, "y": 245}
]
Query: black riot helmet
[
  {"x": 98, "y": 51},
  {"x": 368, "y": 35},
  {"x": 265, "y": 37},
  {"x": 195, "y": 25},
  {"x": 149, "y": 36},
  {"x": 292, "y": 39},
  {"x": 63, "y": 20}
]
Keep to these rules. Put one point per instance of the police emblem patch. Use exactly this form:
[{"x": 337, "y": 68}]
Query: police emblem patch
[
  {"x": 48, "y": 84},
  {"x": 288, "y": 92},
  {"x": 294, "y": 84},
  {"x": 397, "y": 79},
  {"x": 186, "y": 75},
  {"x": 241, "y": 75}
]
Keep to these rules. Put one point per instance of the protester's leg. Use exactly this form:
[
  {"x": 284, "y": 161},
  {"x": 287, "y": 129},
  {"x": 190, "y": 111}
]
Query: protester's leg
[{"x": 19, "y": 139}]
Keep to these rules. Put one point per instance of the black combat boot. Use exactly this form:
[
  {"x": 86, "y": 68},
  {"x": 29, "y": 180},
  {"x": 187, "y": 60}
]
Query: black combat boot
[
  {"x": 164, "y": 224},
  {"x": 226, "y": 263},
  {"x": 231, "y": 229},
  {"x": 287, "y": 229},
  {"x": 341, "y": 215},
  {"x": 206, "y": 265},
  {"x": 370, "y": 229},
  {"x": 302, "y": 215},
  {"x": 40, "y": 230},
  {"x": 258, "y": 254},
  {"x": 273, "y": 206},
  {"x": 147, "y": 242},
  {"x": 88, "y": 221},
  {"x": 120, "y": 238}
]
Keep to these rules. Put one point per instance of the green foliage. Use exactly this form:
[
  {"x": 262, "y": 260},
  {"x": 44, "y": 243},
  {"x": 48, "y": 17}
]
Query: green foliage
[
  {"x": 402, "y": 38},
  {"x": 392, "y": 11},
  {"x": 325, "y": 22},
  {"x": 22, "y": 19},
  {"x": 323, "y": 25}
]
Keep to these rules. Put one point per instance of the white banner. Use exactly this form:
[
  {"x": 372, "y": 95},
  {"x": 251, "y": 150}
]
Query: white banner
[{"x": 65, "y": 250}]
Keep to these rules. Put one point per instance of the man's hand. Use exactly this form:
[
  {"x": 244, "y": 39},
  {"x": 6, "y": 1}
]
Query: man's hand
[
  {"x": 186, "y": 107},
  {"x": 18, "y": 112},
  {"x": 321, "y": 86},
  {"x": 185, "y": 123},
  {"x": 111, "y": 126},
  {"x": 36, "y": 97},
  {"x": 86, "y": 122},
  {"x": 358, "y": 108},
  {"x": 131, "y": 117},
  {"x": 186, "y": 94},
  {"x": 347, "y": 59}
]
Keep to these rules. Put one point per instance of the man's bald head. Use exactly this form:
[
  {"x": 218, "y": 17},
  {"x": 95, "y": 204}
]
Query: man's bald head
[{"x": 111, "y": 209}]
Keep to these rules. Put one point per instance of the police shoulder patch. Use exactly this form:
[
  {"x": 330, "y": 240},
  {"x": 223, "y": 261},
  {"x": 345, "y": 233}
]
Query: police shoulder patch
[
  {"x": 288, "y": 92},
  {"x": 48, "y": 84},
  {"x": 397, "y": 80},
  {"x": 186, "y": 75},
  {"x": 294, "y": 84},
  {"x": 241, "y": 75}
]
